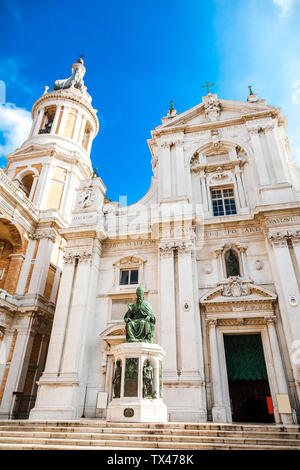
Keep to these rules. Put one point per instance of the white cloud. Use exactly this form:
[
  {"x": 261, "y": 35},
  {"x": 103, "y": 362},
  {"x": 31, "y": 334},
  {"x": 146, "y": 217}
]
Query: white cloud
[
  {"x": 15, "y": 124},
  {"x": 285, "y": 5}
]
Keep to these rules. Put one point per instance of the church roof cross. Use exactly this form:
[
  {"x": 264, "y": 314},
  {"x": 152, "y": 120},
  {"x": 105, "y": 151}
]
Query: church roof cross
[{"x": 208, "y": 85}]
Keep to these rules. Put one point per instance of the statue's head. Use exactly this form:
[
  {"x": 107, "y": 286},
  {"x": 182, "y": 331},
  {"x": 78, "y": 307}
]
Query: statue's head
[{"x": 140, "y": 293}]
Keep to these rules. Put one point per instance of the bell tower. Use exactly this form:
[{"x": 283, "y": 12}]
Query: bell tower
[{"x": 50, "y": 164}]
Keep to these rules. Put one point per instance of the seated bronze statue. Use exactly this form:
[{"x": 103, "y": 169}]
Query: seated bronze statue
[{"x": 140, "y": 320}]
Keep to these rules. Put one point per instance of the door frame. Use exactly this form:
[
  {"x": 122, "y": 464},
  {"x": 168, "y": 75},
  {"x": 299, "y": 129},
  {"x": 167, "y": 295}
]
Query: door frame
[{"x": 247, "y": 329}]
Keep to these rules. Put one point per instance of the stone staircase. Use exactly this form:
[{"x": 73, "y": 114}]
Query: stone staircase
[{"x": 93, "y": 434}]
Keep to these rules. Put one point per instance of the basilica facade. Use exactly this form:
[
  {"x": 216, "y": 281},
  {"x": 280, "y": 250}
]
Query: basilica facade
[{"x": 215, "y": 244}]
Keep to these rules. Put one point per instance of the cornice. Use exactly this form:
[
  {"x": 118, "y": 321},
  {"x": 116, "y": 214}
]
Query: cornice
[{"x": 186, "y": 129}]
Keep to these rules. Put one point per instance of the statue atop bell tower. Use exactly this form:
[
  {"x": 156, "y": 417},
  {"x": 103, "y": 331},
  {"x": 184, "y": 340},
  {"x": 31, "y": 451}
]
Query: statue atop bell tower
[{"x": 76, "y": 79}]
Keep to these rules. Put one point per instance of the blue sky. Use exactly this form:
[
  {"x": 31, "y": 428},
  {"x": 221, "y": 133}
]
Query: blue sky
[{"x": 139, "y": 55}]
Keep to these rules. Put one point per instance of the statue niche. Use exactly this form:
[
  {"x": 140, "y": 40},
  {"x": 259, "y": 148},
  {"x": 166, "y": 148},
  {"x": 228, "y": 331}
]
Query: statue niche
[
  {"x": 232, "y": 263},
  {"x": 148, "y": 381},
  {"x": 117, "y": 380},
  {"x": 139, "y": 320}
]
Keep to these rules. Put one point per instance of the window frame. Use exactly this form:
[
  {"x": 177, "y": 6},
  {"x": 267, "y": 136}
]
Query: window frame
[
  {"x": 129, "y": 270},
  {"x": 223, "y": 199}
]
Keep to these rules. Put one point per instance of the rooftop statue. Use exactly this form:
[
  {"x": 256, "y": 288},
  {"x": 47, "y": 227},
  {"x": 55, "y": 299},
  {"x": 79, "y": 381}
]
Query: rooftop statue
[
  {"x": 140, "y": 320},
  {"x": 76, "y": 79}
]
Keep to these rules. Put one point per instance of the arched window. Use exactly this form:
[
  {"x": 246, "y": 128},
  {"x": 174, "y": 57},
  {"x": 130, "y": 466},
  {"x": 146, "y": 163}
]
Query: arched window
[
  {"x": 47, "y": 120},
  {"x": 26, "y": 183},
  {"x": 232, "y": 263}
]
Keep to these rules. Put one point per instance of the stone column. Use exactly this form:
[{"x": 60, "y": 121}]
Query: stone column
[
  {"x": 18, "y": 366},
  {"x": 44, "y": 186},
  {"x": 56, "y": 277},
  {"x": 165, "y": 171},
  {"x": 180, "y": 172},
  {"x": 295, "y": 237},
  {"x": 196, "y": 188},
  {"x": 55, "y": 120},
  {"x": 42, "y": 262},
  {"x": 63, "y": 120},
  {"x": 186, "y": 309},
  {"x": 62, "y": 386},
  {"x": 52, "y": 367},
  {"x": 286, "y": 285},
  {"x": 261, "y": 168},
  {"x": 275, "y": 153},
  {"x": 82, "y": 129},
  {"x": 244, "y": 266},
  {"x": 189, "y": 338},
  {"x": 77, "y": 126},
  {"x": 218, "y": 410},
  {"x": 204, "y": 192},
  {"x": 167, "y": 307},
  {"x": 37, "y": 125},
  {"x": 278, "y": 367},
  {"x": 220, "y": 264},
  {"x": 68, "y": 197},
  {"x": 240, "y": 188},
  {"x": 89, "y": 147},
  {"x": 25, "y": 267}
]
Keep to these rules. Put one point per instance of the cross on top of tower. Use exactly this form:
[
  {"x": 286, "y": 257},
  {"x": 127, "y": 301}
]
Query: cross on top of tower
[{"x": 207, "y": 86}]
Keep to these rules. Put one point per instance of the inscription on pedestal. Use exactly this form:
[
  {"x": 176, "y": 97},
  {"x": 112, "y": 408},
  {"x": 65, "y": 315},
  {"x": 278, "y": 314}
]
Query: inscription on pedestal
[
  {"x": 131, "y": 377},
  {"x": 128, "y": 412}
]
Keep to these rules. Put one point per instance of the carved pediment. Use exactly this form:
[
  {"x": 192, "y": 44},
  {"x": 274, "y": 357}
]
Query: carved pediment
[
  {"x": 213, "y": 109},
  {"x": 31, "y": 149},
  {"x": 130, "y": 261},
  {"x": 114, "y": 334},
  {"x": 236, "y": 289}
]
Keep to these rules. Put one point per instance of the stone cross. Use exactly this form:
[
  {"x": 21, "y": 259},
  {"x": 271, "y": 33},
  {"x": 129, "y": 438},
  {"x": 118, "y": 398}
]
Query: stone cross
[{"x": 207, "y": 86}]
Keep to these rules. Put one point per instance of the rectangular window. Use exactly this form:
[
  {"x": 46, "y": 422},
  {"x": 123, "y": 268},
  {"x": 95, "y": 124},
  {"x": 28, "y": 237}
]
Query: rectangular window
[
  {"x": 129, "y": 277},
  {"x": 223, "y": 202}
]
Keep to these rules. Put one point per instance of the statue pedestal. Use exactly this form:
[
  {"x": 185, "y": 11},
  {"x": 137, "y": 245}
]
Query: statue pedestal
[{"x": 131, "y": 405}]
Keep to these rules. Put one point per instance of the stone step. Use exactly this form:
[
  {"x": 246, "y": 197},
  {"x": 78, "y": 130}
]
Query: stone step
[
  {"x": 97, "y": 434},
  {"x": 137, "y": 445},
  {"x": 132, "y": 429},
  {"x": 87, "y": 432},
  {"x": 195, "y": 426},
  {"x": 16, "y": 436},
  {"x": 127, "y": 427}
]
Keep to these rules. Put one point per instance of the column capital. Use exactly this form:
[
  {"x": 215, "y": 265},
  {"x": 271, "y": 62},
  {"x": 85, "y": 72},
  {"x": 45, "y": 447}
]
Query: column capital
[
  {"x": 165, "y": 145},
  {"x": 51, "y": 234},
  {"x": 166, "y": 249},
  {"x": 183, "y": 246},
  {"x": 83, "y": 256},
  {"x": 279, "y": 239}
]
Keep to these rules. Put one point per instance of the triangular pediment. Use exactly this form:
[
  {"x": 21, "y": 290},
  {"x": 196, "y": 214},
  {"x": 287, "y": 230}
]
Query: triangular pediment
[
  {"x": 236, "y": 289},
  {"x": 31, "y": 149},
  {"x": 225, "y": 110}
]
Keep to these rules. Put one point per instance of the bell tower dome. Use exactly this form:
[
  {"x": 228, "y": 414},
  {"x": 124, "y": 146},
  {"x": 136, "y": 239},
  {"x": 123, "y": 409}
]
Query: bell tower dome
[
  {"x": 55, "y": 158},
  {"x": 65, "y": 115}
]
